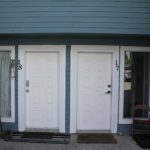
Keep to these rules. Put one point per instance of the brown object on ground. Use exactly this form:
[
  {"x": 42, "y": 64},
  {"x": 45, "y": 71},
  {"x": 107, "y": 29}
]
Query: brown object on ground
[
  {"x": 96, "y": 138},
  {"x": 2, "y": 134},
  {"x": 141, "y": 126}
]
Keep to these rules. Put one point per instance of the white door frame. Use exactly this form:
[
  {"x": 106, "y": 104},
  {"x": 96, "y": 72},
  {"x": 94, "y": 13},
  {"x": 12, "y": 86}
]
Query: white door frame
[
  {"x": 123, "y": 120},
  {"x": 22, "y": 76},
  {"x": 114, "y": 50}
]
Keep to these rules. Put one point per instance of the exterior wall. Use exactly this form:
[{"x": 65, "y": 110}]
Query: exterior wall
[
  {"x": 124, "y": 128},
  {"x": 81, "y": 16}
]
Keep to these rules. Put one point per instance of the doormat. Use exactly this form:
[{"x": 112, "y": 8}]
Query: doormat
[
  {"x": 143, "y": 141},
  {"x": 96, "y": 138},
  {"x": 38, "y": 137}
]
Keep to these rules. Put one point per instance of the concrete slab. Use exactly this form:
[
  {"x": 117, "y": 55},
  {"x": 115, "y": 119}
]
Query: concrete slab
[{"x": 124, "y": 143}]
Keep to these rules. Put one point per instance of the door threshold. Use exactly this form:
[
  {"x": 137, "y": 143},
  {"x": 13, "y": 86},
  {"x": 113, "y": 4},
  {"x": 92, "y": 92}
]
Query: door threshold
[{"x": 41, "y": 130}]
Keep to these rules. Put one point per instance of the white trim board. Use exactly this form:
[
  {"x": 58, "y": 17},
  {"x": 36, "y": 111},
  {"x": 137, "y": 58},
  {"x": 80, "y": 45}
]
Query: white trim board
[
  {"x": 12, "y": 118},
  {"x": 21, "y": 81},
  {"x": 114, "y": 50},
  {"x": 121, "y": 102}
]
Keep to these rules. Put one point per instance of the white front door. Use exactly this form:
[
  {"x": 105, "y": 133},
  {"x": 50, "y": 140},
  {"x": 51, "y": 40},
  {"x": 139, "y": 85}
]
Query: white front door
[
  {"x": 42, "y": 90},
  {"x": 93, "y": 83}
]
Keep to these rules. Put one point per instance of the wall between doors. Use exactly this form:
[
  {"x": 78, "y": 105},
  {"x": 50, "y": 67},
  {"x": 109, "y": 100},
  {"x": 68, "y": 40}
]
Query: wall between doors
[{"x": 68, "y": 41}]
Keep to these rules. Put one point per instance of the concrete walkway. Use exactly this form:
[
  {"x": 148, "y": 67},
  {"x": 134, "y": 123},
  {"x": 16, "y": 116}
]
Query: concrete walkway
[{"x": 124, "y": 143}]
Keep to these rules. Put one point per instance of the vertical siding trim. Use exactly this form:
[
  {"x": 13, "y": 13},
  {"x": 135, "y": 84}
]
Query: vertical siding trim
[
  {"x": 67, "y": 104},
  {"x": 16, "y": 86}
]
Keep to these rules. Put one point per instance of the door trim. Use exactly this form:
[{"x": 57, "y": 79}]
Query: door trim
[
  {"x": 114, "y": 50},
  {"x": 123, "y": 120},
  {"x": 21, "y": 82}
]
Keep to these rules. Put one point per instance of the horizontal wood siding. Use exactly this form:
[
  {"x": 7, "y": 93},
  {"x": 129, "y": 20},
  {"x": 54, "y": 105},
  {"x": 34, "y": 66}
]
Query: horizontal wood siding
[{"x": 75, "y": 16}]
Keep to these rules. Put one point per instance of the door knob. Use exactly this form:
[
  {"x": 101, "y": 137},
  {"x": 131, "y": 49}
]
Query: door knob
[{"x": 108, "y": 92}]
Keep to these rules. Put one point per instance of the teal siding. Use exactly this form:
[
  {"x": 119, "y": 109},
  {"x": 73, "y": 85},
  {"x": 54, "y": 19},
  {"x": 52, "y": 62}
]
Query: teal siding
[
  {"x": 75, "y": 16},
  {"x": 67, "y": 106},
  {"x": 16, "y": 87},
  {"x": 14, "y": 126},
  {"x": 125, "y": 129}
]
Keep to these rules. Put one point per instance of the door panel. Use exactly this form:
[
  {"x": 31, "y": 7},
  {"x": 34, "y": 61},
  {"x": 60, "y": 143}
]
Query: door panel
[
  {"x": 42, "y": 75},
  {"x": 93, "y": 78}
]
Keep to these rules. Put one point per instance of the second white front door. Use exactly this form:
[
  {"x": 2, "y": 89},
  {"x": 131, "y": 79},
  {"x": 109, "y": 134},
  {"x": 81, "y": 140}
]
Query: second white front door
[
  {"x": 94, "y": 90},
  {"x": 42, "y": 90}
]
